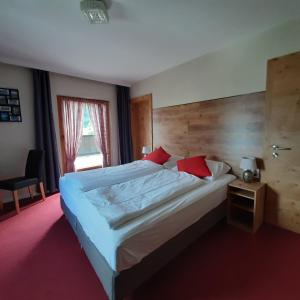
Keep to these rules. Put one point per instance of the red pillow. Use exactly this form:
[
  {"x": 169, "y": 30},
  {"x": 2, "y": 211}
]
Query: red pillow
[
  {"x": 159, "y": 156},
  {"x": 194, "y": 165}
]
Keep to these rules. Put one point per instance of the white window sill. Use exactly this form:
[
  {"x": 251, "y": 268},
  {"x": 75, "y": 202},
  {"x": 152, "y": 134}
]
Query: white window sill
[{"x": 86, "y": 162}]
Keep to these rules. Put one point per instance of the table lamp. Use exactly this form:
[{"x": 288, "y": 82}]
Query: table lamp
[
  {"x": 248, "y": 165},
  {"x": 146, "y": 150}
]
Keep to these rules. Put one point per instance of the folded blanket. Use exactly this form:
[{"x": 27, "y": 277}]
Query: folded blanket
[
  {"x": 122, "y": 202},
  {"x": 88, "y": 180}
]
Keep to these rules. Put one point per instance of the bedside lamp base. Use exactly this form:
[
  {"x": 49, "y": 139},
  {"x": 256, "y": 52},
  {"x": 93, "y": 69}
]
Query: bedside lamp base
[{"x": 248, "y": 176}]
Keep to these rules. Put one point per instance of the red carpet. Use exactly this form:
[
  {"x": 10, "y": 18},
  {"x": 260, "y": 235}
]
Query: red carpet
[{"x": 40, "y": 259}]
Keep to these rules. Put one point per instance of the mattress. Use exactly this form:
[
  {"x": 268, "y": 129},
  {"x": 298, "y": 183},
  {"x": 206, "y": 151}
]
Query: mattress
[{"x": 129, "y": 244}]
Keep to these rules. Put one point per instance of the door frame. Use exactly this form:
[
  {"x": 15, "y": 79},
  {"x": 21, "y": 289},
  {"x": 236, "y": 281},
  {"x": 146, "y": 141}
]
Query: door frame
[
  {"x": 282, "y": 190},
  {"x": 147, "y": 97}
]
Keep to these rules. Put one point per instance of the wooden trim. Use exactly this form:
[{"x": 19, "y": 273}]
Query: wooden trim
[
  {"x": 214, "y": 99},
  {"x": 30, "y": 192},
  {"x": 16, "y": 199},
  {"x": 148, "y": 99},
  {"x": 86, "y": 100},
  {"x": 41, "y": 185},
  {"x": 283, "y": 128},
  {"x": 60, "y": 99},
  {"x": 89, "y": 168},
  {"x": 61, "y": 133}
]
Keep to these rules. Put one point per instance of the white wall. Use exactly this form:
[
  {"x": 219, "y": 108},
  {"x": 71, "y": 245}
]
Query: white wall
[
  {"x": 17, "y": 138},
  {"x": 71, "y": 86},
  {"x": 238, "y": 69}
]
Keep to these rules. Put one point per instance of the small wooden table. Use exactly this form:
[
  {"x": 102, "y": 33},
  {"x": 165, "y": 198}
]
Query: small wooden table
[{"x": 246, "y": 205}]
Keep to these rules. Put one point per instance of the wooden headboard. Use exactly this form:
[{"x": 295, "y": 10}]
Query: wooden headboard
[{"x": 224, "y": 129}]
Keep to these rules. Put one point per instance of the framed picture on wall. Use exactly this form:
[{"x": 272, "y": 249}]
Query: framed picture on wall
[
  {"x": 13, "y": 101},
  {"x": 15, "y": 118},
  {"x": 4, "y": 92},
  {"x": 5, "y": 108},
  {"x": 10, "y": 109},
  {"x": 3, "y": 100},
  {"x": 14, "y": 94},
  {"x": 4, "y": 116},
  {"x": 16, "y": 110}
]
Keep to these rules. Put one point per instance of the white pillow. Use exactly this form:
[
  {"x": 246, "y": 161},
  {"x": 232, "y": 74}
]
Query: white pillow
[
  {"x": 172, "y": 161},
  {"x": 217, "y": 169}
]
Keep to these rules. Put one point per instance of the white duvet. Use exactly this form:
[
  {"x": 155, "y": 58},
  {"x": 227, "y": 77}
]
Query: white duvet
[
  {"x": 122, "y": 202},
  {"x": 88, "y": 180}
]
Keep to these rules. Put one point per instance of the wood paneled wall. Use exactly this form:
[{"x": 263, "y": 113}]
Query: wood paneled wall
[{"x": 223, "y": 129}]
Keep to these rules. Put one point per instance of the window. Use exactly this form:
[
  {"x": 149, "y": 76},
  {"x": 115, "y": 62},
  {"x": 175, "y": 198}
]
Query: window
[
  {"x": 84, "y": 133},
  {"x": 89, "y": 155}
]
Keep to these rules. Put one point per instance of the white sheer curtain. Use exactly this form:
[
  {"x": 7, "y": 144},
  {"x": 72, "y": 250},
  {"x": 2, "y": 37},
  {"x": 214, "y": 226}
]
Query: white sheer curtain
[
  {"x": 99, "y": 118},
  {"x": 72, "y": 114}
]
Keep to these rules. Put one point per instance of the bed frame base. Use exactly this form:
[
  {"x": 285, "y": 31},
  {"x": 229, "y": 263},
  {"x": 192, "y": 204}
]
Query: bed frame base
[{"x": 119, "y": 285}]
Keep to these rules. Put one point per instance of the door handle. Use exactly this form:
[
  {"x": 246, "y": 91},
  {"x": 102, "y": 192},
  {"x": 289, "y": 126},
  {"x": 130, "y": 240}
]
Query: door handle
[{"x": 275, "y": 148}]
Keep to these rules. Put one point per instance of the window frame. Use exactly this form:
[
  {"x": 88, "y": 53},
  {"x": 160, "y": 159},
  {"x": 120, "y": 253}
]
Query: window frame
[{"x": 60, "y": 99}]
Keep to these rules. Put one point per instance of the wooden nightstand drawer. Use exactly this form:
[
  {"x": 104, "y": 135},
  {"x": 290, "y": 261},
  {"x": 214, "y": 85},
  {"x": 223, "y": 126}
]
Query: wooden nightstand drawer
[{"x": 246, "y": 205}]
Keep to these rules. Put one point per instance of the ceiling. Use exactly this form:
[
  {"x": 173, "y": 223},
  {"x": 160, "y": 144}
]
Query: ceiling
[{"x": 143, "y": 37}]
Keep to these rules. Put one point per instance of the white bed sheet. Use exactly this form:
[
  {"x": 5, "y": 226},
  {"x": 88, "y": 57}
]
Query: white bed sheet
[
  {"x": 123, "y": 202},
  {"x": 88, "y": 180},
  {"x": 125, "y": 246}
]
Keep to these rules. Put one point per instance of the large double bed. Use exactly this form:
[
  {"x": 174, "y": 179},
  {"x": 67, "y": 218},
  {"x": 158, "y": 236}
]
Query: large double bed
[{"x": 133, "y": 219}]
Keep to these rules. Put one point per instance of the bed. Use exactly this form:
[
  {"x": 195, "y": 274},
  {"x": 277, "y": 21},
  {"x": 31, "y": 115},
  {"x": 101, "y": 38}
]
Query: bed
[
  {"x": 91, "y": 179},
  {"x": 127, "y": 255}
]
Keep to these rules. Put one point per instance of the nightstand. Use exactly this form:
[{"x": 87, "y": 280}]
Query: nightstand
[{"x": 246, "y": 204}]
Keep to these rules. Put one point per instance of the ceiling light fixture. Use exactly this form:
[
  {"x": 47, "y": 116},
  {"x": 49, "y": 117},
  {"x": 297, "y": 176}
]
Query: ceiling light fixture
[{"x": 95, "y": 11}]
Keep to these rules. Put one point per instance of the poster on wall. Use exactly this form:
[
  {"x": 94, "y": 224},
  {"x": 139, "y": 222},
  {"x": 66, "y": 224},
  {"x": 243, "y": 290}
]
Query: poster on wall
[{"x": 10, "y": 109}]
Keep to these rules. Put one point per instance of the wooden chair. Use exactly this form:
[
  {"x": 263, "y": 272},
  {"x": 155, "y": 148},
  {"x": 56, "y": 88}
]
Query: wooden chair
[{"x": 33, "y": 175}]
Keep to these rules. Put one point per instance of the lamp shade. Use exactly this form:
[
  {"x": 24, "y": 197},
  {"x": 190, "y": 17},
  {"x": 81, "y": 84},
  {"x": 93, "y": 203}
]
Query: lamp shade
[
  {"x": 146, "y": 150},
  {"x": 248, "y": 163}
]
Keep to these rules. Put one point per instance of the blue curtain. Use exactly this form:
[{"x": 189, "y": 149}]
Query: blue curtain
[
  {"x": 125, "y": 139},
  {"x": 45, "y": 137}
]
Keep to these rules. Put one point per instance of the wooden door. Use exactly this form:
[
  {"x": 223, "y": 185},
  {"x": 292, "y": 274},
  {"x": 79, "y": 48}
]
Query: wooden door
[
  {"x": 141, "y": 124},
  {"x": 282, "y": 174}
]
